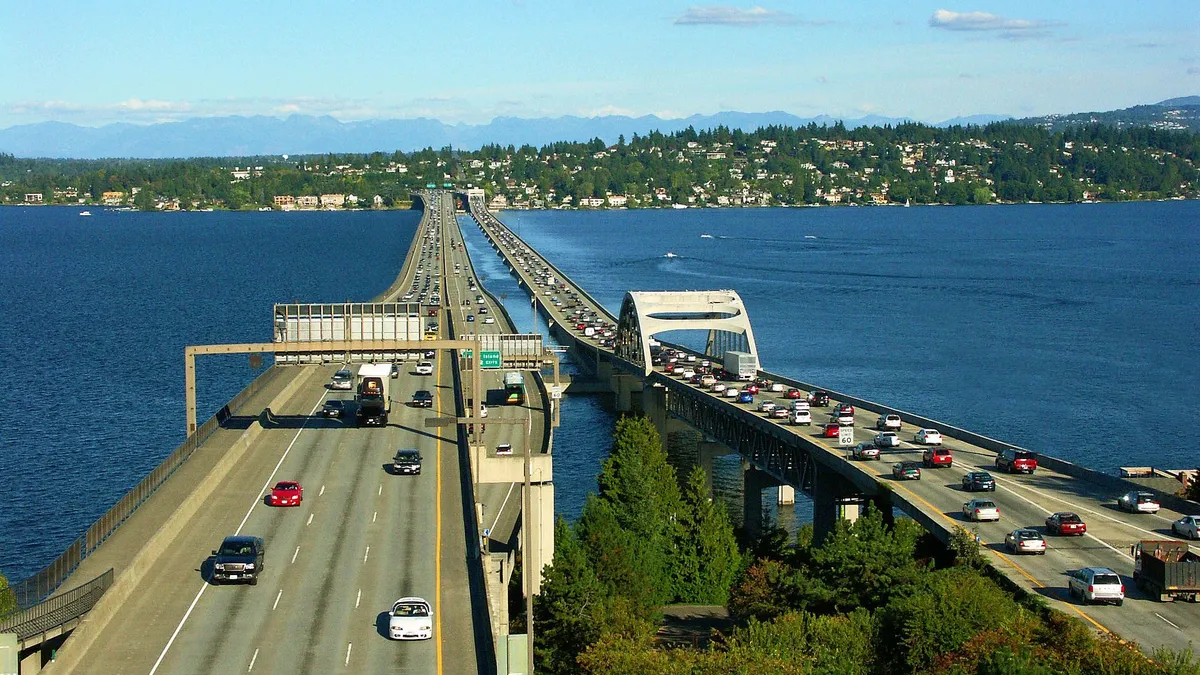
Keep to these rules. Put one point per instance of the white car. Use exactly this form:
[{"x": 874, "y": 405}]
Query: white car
[
  {"x": 801, "y": 417},
  {"x": 687, "y": 373},
  {"x": 1138, "y": 502},
  {"x": 410, "y": 619},
  {"x": 424, "y": 368},
  {"x": 342, "y": 379},
  {"x": 766, "y": 406},
  {"x": 1025, "y": 541},
  {"x": 887, "y": 439},
  {"x": 888, "y": 423},
  {"x": 981, "y": 509},
  {"x": 489, "y": 320},
  {"x": 843, "y": 418},
  {"x": 777, "y": 387},
  {"x": 718, "y": 388},
  {"x": 1187, "y": 526},
  {"x": 800, "y": 405},
  {"x": 730, "y": 392},
  {"x": 928, "y": 437},
  {"x": 1096, "y": 584}
]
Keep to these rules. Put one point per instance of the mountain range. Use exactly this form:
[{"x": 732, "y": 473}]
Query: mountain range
[{"x": 237, "y": 136}]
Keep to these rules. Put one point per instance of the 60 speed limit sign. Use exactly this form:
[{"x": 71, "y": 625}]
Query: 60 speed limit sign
[{"x": 845, "y": 436}]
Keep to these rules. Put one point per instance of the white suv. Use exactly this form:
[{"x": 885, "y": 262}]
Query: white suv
[
  {"x": 424, "y": 368},
  {"x": 928, "y": 437},
  {"x": 888, "y": 423},
  {"x": 1096, "y": 584}
]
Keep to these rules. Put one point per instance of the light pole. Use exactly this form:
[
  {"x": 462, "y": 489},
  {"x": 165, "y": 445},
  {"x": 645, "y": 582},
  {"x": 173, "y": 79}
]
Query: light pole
[{"x": 528, "y": 530}]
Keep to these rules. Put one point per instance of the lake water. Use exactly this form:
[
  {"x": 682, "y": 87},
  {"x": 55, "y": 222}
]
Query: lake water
[{"x": 1052, "y": 327}]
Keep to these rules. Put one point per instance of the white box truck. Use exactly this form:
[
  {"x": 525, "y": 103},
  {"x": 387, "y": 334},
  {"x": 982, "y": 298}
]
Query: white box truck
[
  {"x": 741, "y": 366},
  {"x": 374, "y": 398}
]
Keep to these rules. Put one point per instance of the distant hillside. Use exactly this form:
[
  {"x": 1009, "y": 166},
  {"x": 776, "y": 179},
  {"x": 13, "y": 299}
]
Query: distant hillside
[{"x": 1178, "y": 114}]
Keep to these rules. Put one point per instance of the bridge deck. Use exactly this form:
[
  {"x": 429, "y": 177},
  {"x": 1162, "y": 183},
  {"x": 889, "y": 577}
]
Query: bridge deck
[{"x": 937, "y": 499}]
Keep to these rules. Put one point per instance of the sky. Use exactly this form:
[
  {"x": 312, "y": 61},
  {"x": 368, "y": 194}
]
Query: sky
[{"x": 137, "y": 61}]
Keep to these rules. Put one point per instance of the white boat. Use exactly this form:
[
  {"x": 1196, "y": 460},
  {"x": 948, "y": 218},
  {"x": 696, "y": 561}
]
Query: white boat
[
  {"x": 906, "y": 203},
  {"x": 679, "y": 206},
  {"x": 670, "y": 255},
  {"x": 85, "y": 213},
  {"x": 809, "y": 236},
  {"x": 706, "y": 236}
]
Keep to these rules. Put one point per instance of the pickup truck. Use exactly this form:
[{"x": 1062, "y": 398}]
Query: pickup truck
[{"x": 240, "y": 558}]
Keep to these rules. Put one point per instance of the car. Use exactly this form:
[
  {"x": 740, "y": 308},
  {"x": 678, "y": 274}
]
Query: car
[
  {"x": 819, "y": 398},
  {"x": 935, "y": 457},
  {"x": 781, "y": 414},
  {"x": 831, "y": 430},
  {"x": 888, "y": 423},
  {"x": 407, "y": 461},
  {"x": 1024, "y": 540},
  {"x": 286, "y": 493},
  {"x": 687, "y": 373},
  {"x": 1096, "y": 584},
  {"x": 906, "y": 471},
  {"x": 718, "y": 388},
  {"x": 800, "y": 405},
  {"x": 483, "y": 310},
  {"x": 978, "y": 481},
  {"x": 1138, "y": 502},
  {"x": 489, "y": 320},
  {"x": 395, "y": 370},
  {"x": 745, "y": 397},
  {"x": 470, "y": 318},
  {"x": 752, "y": 388},
  {"x": 424, "y": 368},
  {"x": 865, "y": 451},
  {"x": 1187, "y": 527},
  {"x": 422, "y": 398},
  {"x": 981, "y": 509},
  {"x": 504, "y": 449},
  {"x": 928, "y": 437},
  {"x": 845, "y": 409},
  {"x": 429, "y": 354},
  {"x": 240, "y": 558},
  {"x": 342, "y": 379},
  {"x": 776, "y": 387},
  {"x": 731, "y": 392},
  {"x": 430, "y": 336},
  {"x": 410, "y": 618},
  {"x": 794, "y": 393},
  {"x": 800, "y": 418},
  {"x": 1016, "y": 461},
  {"x": 842, "y": 417},
  {"x": 334, "y": 408},
  {"x": 766, "y": 407},
  {"x": 887, "y": 439},
  {"x": 1065, "y": 522}
]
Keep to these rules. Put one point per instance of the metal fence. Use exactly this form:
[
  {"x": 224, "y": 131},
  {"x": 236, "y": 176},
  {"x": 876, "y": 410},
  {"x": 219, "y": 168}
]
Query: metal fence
[
  {"x": 57, "y": 610},
  {"x": 33, "y": 590}
]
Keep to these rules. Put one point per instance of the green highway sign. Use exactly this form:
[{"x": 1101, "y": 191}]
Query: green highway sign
[{"x": 489, "y": 358}]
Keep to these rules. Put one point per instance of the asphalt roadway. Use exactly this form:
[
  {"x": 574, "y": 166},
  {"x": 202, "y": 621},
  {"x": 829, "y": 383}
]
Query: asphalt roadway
[{"x": 1024, "y": 501}]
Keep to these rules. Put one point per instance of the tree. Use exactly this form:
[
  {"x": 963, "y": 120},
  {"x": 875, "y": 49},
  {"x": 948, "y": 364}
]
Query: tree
[
  {"x": 567, "y": 607},
  {"x": 8, "y": 599},
  {"x": 144, "y": 199},
  {"x": 1193, "y": 490},
  {"x": 708, "y": 561}
]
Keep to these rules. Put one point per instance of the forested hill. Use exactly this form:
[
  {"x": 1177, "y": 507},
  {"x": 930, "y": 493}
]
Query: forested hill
[{"x": 775, "y": 165}]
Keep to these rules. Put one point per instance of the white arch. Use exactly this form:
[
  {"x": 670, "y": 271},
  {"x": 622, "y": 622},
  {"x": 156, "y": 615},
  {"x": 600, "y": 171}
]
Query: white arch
[{"x": 648, "y": 313}]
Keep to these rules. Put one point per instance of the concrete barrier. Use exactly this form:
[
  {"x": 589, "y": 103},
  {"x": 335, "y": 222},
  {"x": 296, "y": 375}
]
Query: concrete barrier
[{"x": 73, "y": 651}]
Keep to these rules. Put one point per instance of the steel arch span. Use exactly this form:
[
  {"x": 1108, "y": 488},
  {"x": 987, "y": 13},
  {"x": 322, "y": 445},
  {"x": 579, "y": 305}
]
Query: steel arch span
[{"x": 648, "y": 313}]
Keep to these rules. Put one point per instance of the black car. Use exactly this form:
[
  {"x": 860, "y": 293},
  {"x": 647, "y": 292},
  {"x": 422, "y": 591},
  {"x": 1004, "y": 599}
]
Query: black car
[
  {"x": 333, "y": 408},
  {"x": 979, "y": 481},
  {"x": 407, "y": 461},
  {"x": 819, "y": 399},
  {"x": 240, "y": 558},
  {"x": 422, "y": 398}
]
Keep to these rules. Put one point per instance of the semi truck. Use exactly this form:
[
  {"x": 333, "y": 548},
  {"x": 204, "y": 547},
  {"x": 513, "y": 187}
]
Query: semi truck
[
  {"x": 374, "y": 400},
  {"x": 741, "y": 366},
  {"x": 1166, "y": 570}
]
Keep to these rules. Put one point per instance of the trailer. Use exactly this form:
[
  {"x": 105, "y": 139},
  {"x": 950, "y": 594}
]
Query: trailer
[{"x": 1166, "y": 570}]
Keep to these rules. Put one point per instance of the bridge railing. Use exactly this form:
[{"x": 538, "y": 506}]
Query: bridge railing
[
  {"x": 41, "y": 584},
  {"x": 56, "y": 611}
]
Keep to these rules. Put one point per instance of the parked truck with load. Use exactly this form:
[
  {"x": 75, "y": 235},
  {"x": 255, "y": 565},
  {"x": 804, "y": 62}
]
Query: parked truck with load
[
  {"x": 741, "y": 366},
  {"x": 374, "y": 401},
  {"x": 1166, "y": 570}
]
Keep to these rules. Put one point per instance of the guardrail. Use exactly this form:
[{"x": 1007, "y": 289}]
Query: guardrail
[
  {"x": 41, "y": 584},
  {"x": 56, "y": 611}
]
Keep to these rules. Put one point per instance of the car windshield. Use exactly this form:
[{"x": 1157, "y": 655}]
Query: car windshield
[
  {"x": 287, "y": 486},
  {"x": 341, "y": 375},
  {"x": 1145, "y": 499},
  {"x": 910, "y": 465},
  {"x": 333, "y": 404},
  {"x": 236, "y": 548},
  {"x": 1068, "y": 518},
  {"x": 1027, "y": 534},
  {"x": 1023, "y": 455},
  {"x": 410, "y": 610},
  {"x": 407, "y": 455},
  {"x": 984, "y": 505},
  {"x": 1106, "y": 579},
  {"x": 981, "y": 476}
]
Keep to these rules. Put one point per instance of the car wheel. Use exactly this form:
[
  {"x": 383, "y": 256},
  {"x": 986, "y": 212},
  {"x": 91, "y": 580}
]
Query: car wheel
[
  {"x": 254, "y": 581},
  {"x": 1120, "y": 602}
]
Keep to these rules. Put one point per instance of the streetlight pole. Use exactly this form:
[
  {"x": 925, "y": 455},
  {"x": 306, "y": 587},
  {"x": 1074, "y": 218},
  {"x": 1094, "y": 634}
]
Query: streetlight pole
[{"x": 529, "y": 552}]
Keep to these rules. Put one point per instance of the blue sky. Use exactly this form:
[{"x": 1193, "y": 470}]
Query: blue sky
[{"x": 95, "y": 63}]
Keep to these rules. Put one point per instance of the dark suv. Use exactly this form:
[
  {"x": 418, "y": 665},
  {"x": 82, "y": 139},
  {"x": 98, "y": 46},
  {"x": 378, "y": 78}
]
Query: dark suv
[
  {"x": 819, "y": 399},
  {"x": 1014, "y": 461},
  {"x": 240, "y": 558},
  {"x": 422, "y": 398}
]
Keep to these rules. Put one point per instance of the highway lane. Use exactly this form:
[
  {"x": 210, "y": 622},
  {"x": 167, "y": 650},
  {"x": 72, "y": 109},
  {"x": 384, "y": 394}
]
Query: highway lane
[{"x": 1023, "y": 500}]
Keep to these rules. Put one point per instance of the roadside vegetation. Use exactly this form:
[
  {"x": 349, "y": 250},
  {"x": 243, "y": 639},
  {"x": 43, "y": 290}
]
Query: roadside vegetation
[
  {"x": 870, "y": 599},
  {"x": 8, "y": 600}
]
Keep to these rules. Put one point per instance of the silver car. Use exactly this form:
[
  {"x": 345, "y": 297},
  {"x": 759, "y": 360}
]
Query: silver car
[
  {"x": 1187, "y": 526},
  {"x": 888, "y": 439},
  {"x": 1025, "y": 541},
  {"x": 981, "y": 509},
  {"x": 1096, "y": 584}
]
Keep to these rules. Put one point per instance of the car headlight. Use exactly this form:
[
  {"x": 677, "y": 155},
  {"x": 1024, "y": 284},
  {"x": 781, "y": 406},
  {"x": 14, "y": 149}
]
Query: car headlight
[
  {"x": 249, "y": 566},
  {"x": 426, "y": 628},
  {"x": 220, "y": 567}
]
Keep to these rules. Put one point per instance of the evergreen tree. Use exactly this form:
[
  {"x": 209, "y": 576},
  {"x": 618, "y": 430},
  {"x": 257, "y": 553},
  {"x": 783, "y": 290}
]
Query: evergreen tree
[
  {"x": 565, "y": 612},
  {"x": 708, "y": 560}
]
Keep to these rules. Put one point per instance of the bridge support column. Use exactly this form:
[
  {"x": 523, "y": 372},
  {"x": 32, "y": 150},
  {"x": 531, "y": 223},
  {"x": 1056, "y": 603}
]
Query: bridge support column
[
  {"x": 834, "y": 498},
  {"x": 541, "y": 522},
  {"x": 32, "y": 663},
  {"x": 623, "y": 386},
  {"x": 754, "y": 482},
  {"x": 707, "y": 451},
  {"x": 787, "y": 495},
  {"x": 654, "y": 405}
]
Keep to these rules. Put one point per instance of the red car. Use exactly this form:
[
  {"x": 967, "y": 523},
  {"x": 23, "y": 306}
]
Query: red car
[
  {"x": 1066, "y": 522},
  {"x": 937, "y": 457},
  {"x": 832, "y": 430},
  {"x": 794, "y": 393},
  {"x": 846, "y": 408},
  {"x": 752, "y": 388},
  {"x": 286, "y": 493}
]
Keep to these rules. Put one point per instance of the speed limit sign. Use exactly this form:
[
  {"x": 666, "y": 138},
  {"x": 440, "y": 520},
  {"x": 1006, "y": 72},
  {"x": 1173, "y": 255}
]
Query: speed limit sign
[{"x": 846, "y": 436}]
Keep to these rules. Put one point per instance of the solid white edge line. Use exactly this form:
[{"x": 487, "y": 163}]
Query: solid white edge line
[
  {"x": 1167, "y": 620},
  {"x": 188, "y": 613}
]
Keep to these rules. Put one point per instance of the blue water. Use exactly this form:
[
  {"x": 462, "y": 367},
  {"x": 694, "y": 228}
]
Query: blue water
[
  {"x": 96, "y": 313},
  {"x": 1054, "y": 327}
]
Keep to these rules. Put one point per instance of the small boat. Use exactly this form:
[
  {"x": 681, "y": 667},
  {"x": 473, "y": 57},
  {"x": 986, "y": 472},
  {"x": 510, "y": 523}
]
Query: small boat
[
  {"x": 85, "y": 213},
  {"x": 679, "y": 206},
  {"x": 670, "y": 255},
  {"x": 809, "y": 236},
  {"x": 706, "y": 236},
  {"x": 907, "y": 203}
]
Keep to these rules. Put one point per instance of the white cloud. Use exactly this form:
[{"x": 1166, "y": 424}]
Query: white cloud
[
  {"x": 987, "y": 22},
  {"x": 724, "y": 15},
  {"x": 607, "y": 110},
  {"x": 138, "y": 105}
]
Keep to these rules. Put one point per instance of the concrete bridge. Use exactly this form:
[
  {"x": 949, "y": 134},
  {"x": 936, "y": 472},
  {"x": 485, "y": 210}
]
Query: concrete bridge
[{"x": 617, "y": 350}]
